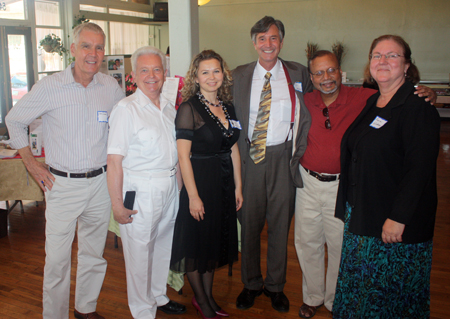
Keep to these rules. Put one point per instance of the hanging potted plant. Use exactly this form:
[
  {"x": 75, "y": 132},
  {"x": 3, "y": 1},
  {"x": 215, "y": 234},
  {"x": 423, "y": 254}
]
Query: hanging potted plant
[{"x": 51, "y": 43}]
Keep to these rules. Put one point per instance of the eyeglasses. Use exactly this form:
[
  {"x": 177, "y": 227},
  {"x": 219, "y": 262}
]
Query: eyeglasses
[
  {"x": 321, "y": 73},
  {"x": 327, "y": 121},
  {"x": 390, "y": 56}
]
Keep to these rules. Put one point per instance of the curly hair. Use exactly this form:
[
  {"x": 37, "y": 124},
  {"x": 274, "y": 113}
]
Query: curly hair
[
  {"x": 190, "y": 88},
  {"x": 412, "y": 74}
]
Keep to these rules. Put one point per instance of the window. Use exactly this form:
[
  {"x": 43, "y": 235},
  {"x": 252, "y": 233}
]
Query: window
[
  {"x": 48, "y": 21},
  {"x": 129, "y": 13},
  {"x": 12, "y": 10},
  {"x": 123, "y": 37},
  {"x": 86, "y": 7}
]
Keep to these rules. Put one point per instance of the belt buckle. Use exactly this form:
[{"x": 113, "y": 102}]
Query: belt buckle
[
  {"x": 89, "y": 174},
  {"x": 173, "y": 171}
]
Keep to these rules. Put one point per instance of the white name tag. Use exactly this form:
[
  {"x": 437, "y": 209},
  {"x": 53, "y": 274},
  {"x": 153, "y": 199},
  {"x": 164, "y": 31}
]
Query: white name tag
[
  {"x": 236, "y": 124},
  {"x": 102, "y": 116},
  {"x": 298, "y": 86},
  {"x": 378, "y": 122}
]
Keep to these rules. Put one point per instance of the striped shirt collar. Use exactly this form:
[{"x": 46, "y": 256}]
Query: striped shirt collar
[{"x": 68, "y": 78}]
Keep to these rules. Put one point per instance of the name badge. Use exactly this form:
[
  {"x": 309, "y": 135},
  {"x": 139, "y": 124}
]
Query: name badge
[
  {"x": 102, "y": 116},
  {"x": 298, "y": 86},
  {"x": 236, "y": 124},
  {"x": 378, "y": 122}
]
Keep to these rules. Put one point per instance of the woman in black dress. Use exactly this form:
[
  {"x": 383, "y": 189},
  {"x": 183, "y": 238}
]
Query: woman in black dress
[{"x": 205, "y": 235}]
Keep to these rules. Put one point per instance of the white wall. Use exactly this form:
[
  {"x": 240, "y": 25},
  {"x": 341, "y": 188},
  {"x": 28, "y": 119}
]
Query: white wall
[{"x": 225, "y": 27}]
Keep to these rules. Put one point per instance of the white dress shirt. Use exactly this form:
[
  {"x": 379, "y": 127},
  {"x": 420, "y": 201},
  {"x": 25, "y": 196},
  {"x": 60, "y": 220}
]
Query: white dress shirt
[
  {"x": 281, "y": 106},
  {"x": 143, "y": 134},
  {"x": 74, "y": 119}
]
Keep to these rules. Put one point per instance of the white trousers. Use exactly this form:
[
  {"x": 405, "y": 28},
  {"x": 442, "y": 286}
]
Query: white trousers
[
  {"x": 72, "y": 200},
  {"x": 316, "y": 225},
  {"x": 147, "y": 242}
]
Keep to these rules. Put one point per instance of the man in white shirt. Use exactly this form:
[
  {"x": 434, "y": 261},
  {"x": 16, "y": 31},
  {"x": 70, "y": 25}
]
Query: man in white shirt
[
  {"x": 74, "y": 105},
  {"x": 142, "y": 158},
  {"x": 268, "y": 178}
]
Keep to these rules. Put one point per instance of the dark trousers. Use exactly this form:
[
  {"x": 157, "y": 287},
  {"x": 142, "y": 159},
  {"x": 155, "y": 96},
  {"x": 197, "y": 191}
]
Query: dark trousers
[{"x": 269, "y": 193}]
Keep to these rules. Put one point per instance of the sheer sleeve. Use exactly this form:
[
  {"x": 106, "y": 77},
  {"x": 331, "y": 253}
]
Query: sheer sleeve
[
  {"x": 187, "y": 121},
  {"x": 184, "y": 122}
]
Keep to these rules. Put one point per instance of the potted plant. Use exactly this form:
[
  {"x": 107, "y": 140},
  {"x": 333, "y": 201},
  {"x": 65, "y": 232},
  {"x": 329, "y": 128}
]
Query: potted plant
[
  {"x": 79, "y": 19},
  {"x": 51, "y": 43}
]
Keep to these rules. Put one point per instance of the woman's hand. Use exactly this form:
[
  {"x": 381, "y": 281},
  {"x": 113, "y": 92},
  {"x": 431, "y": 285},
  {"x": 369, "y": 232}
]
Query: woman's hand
[
  {"x": 196, "y": 208},
  {"x": 392, "y": 232},
  {"x": 239, "y": 199}
]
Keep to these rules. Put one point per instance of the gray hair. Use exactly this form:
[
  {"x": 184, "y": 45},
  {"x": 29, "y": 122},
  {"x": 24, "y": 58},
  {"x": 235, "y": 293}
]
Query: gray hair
[
  {"x": 263, "y": 25},
  {"x": 89, "y": 26},
  {"x": 147, "y": 50}
]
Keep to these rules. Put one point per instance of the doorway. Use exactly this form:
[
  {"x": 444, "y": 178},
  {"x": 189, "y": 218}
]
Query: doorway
[{"x": 16, "y": 65}]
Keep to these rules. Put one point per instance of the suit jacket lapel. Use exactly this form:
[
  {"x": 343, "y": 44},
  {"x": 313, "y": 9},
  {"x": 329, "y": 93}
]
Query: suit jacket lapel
[{"x": 246, "y": 83}]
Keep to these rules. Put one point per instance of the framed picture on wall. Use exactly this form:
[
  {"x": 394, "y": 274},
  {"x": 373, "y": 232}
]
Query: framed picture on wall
[
  {"x": 113, "y": 65},
  {"x": 119, "y": 77}
]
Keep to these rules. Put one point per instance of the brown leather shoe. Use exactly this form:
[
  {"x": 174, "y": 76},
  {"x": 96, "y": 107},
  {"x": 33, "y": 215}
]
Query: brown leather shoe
[
  {"x": 91, "y": 315},
  {"x": 307, "y": 311}
]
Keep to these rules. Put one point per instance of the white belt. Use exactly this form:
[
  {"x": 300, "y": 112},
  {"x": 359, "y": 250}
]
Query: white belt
[{"x": 151, "y": 174}]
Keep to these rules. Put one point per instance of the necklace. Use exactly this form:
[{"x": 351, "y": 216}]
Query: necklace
[
  {"x": 226, "y": 132},
  {"x": 204, "y": 100}
]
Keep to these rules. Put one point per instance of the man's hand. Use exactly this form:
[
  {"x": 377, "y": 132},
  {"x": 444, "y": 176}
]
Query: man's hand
[
  {"x": 430, "y": 95},
  {"x": 38, "y": 170},
  {"x": 123, "y": 215},
  {"x": 392, "y": 231}
]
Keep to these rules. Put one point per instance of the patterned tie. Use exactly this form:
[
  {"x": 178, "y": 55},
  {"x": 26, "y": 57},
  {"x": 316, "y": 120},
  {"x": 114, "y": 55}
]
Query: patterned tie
[{"x": 258, "y": 146}]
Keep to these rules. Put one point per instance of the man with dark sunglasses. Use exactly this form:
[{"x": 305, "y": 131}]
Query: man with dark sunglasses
[{"x": 333, "y": 107}]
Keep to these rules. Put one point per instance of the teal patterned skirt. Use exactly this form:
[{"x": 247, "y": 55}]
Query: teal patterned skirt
[{"x": 378, "y": 280}]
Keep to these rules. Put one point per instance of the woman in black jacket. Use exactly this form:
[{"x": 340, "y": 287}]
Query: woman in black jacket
[{"x": 387, "y": 194}]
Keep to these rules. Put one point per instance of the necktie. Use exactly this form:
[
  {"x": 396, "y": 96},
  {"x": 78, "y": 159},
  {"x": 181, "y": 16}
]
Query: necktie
[{"x": 259, "y": 137}]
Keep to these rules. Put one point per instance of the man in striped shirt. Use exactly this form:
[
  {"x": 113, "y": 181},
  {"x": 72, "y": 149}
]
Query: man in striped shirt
[{"x": 74, "y": 105}]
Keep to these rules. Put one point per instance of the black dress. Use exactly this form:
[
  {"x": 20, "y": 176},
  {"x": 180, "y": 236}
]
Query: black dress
[{"x": 212, "y": 242}]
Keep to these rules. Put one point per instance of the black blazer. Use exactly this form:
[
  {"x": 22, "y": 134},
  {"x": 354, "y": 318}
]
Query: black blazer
[{"x": 394, "y": 168}]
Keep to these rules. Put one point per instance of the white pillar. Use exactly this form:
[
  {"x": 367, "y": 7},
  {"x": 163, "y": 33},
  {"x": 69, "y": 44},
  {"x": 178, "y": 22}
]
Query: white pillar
[{"x": 183, "y": 34}]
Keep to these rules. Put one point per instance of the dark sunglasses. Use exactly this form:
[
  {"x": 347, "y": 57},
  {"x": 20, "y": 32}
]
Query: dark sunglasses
[{"x": 327, "y": 121}]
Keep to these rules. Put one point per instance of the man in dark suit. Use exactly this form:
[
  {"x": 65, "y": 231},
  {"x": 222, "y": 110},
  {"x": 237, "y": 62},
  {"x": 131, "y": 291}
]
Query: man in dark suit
[{"x": 268, "y": 96}]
